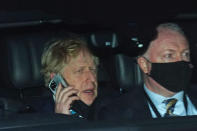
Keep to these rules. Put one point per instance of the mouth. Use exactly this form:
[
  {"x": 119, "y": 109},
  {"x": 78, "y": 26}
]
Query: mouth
[{"x": 89, "y": 91}]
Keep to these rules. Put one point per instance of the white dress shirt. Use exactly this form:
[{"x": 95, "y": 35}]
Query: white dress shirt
[{"x": 179, "y": 108}]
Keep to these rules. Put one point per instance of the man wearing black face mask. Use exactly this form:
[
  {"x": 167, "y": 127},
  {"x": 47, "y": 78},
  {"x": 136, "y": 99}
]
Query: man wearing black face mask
[{"x": 167, "y": 71}]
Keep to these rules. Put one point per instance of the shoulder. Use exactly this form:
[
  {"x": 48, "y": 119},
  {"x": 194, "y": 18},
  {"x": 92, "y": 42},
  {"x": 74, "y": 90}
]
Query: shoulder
[
  {"x": 125, "y": 106},
  {"x": 45, "y": 105},
  {"x": 191, "y": 92}
]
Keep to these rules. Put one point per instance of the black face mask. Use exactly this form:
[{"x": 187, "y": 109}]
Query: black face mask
[{"x": 174, "y": 76}]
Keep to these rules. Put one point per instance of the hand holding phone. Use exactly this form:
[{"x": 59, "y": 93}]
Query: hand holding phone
[{"x": 66, "y": 96}]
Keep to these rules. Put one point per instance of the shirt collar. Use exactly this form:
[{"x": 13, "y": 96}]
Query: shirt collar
[{"x": 158, "y": 99}]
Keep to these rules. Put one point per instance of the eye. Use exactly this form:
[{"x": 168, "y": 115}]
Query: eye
[
  {"x": 79, "y": 71},
  {"x": 186, "y": 55},
  {"x": 168, "y": 55}
]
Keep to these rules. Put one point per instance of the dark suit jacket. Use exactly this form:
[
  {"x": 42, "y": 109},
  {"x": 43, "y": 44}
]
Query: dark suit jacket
[
  {"x": 105, "y": 96},
  {"x": 132, "y": 106}
]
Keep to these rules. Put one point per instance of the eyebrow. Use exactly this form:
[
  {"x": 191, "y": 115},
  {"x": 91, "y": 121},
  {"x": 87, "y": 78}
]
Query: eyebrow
[
  {"x": 186, "y": 49},
  {"x": 172, "y": 50},
  {"x": 82, "y": 67}
]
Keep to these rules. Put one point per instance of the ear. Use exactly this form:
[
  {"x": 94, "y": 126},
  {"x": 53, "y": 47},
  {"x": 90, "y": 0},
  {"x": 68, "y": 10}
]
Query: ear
[
  {"x": 144, "y": 65},
  {"x": 52, "y": 75}
]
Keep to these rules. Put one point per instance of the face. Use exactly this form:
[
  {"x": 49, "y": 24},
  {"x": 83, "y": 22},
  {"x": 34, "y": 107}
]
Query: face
[
  {"x": 170, "y": 46},
  {"x": 81, "y": 73}
]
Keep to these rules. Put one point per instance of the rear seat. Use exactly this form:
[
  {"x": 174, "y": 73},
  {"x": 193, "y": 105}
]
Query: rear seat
[
  {"x": 104, "y": 44},
  {"x": 21, "y": 80},
  {"x": 119, "y": 59},
  {"x": 22, "y": 84},
  {"x": 127, "y": 72}
]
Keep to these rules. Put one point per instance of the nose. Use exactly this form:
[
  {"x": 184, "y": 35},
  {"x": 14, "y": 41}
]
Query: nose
[{"x": 179, "y": 58}]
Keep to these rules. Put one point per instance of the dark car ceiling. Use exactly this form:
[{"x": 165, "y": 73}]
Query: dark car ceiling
[{"x": 95, "y": 11}]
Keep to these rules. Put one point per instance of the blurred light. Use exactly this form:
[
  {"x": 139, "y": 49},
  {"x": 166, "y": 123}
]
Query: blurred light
[
  {"x": 134, "y": 39},
  {"x": 140, "y": 45},
  {"x": 107, "y": 43}
]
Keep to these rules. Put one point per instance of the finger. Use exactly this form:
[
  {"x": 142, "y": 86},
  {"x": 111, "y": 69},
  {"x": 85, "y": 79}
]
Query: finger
[
  {"x": 59, "y": 88},
  {"x": 62, "y": 108},
  {"x": 70, "y": 101},
  {"x": 65, "y": 93},
  {"x": 65, "y": 99}
]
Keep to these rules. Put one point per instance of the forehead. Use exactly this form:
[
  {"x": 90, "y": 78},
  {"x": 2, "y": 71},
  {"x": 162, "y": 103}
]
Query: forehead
[
  {"x": 168, "y": 40},
  {"x": 83, "y": 58}
]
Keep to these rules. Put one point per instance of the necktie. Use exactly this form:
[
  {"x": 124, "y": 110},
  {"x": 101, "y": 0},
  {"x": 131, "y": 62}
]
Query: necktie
[{"x": 170, "y": 104}]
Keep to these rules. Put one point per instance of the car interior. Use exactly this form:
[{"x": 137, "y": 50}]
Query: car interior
[{"x": 112, "y": 31}]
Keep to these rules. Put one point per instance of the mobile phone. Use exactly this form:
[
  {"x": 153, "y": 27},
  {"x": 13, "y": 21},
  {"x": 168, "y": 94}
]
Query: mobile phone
[
  {"x": 77, "y": 106},
  {"x": 53, "y": 84}
]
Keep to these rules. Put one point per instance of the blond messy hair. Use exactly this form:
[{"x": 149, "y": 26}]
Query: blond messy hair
[{"x": 58, "y": 54}]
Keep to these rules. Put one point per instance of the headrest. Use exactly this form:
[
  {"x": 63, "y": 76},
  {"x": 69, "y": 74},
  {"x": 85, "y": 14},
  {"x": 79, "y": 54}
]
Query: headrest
[
  {"x": 103, "y": 74},
  {"x": 128, "y": 74},
  {"x": 103, "y": 39}
]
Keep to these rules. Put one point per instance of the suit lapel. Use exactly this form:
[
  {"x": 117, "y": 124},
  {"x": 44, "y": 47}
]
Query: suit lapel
[
  {"x": 138, "y": 104},
  {"x": 191, "y": 92}
]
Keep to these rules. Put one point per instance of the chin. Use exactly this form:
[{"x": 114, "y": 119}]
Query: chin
[{"x": 88, "y": 101}]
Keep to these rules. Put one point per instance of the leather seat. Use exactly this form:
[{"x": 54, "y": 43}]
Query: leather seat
[
  {"x": 21, "y": 81},
  {"x": 127, "y": 73},
  {"x": 104, "y": 43},
  {"x": 117, "y": 59}
]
